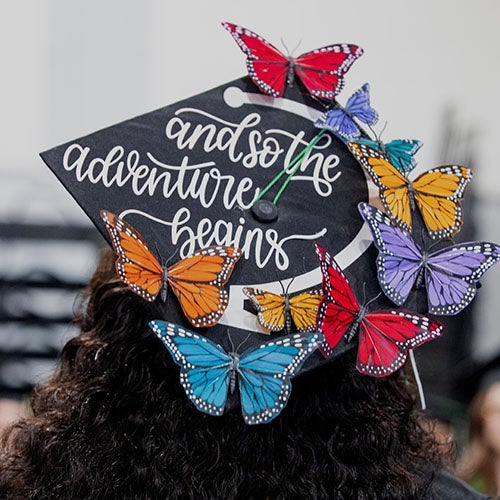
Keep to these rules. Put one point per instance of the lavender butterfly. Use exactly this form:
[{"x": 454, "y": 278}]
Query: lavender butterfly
[
  {"x": 450, "y": 274},
  {"x": 341, "y": 120}
]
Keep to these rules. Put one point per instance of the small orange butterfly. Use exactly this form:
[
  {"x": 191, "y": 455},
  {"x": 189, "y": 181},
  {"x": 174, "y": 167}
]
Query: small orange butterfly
[
  {"x": 197, "y": 281},
  {"x": 437, "y": 192},
  {"x": 275, "y": 312}
]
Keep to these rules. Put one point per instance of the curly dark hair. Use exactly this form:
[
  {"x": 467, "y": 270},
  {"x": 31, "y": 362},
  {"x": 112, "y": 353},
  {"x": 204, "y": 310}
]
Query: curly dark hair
[{"x": 114, "y": 422}]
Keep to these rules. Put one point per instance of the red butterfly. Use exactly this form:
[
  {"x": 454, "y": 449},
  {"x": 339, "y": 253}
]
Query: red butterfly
[
  {"x": 384, "y": 336},
  {"x": 321, "y": 70}
]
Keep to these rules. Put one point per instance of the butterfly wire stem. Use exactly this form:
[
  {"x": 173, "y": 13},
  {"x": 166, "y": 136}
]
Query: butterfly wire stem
[
  {"x": 423, "y": 404},
  {"x": 295, "y": 163},
  {"x": 304, "y": 152},
  {"x": 281, "y": 174}
]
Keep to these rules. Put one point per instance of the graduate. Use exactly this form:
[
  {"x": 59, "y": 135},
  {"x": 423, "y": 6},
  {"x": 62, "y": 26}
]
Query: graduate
[{"x": 249, "y": 332}]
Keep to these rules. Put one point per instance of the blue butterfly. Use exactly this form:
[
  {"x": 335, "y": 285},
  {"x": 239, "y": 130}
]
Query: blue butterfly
[
  {"x": 208, "y": 372},
  {"x": 341, "y": 120},
  {"x": 399, "y": 152}
]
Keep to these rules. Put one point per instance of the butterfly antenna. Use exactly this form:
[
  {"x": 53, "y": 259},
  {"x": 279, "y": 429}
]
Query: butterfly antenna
[
  {"x": 426, "y": 246},
  {"x": 289, "y": 54},
  {"x": 289, "y": 285},
  {"x": 172, "y": 256},
  {"x": 231, "y": 341},
  {"x": 371, "y": 301},
  {"x": 372, "y": 130},
  {"x": 433, "y": 244},
  {"x": 364, "y": 292},
  {"x": 382, "y": 131},
  {"x": 242, "y": 342},
  {"x": 296, "y": 47},
  {"x": 158, "y": 252},
  {"x": 280, "y": 282},
  {"x": 423, "y": 404}
]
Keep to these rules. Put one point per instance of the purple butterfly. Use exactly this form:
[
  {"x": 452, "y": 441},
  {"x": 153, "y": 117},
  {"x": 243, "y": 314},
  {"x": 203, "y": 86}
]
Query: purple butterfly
[
  {"x": 341, "y": 120},
  {"x": 451, "y": 273}
]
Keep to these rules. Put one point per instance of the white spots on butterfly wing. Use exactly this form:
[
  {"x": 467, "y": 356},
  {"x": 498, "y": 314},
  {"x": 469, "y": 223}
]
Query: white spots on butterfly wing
[
  {"x": 114, "y": 225},
  {"x": 230, "y": 255},
  {"x": 451, "y": 301},
  {"x": 237, "y": 33},
  {"x": 465, "y": 175},
  {"x": 427, "y": 331},
  {"x": 166, "y": 335},
  {"x": 306, "y": 343},
  {"x": 380, "y": 370}
]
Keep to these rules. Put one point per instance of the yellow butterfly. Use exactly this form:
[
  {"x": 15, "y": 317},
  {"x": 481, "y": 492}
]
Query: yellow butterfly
[
  {"x": 437, "y": 192},
  {"x": 276, "y": 312}
]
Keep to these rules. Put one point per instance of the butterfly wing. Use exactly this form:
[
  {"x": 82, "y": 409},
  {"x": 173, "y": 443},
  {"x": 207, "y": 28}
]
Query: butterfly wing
[
  {"x": 339, "y": 307},
  {"x": 335, "y": 283},
  {"x": 304, "y": 309},
  {"x": 358, "y": 105},
  {"x": 205, "y": 366},
  {"x": 265, "y": 375},
  {"x": 270, "y": 308},
  {"x": 267, "y": 66},
  {"x": 438, "y": 193},
  {"x": 393, "y": 185},
  {"x": 453, "y": 272},
  {"x": 136, "y": 266},
  {"x": 322, "y": 70},
  {"x": 385, "y": 337},
  {"x": 399, "y": 260},
  {"x": 401, "y": 153},
  {"x": 198, "y": 282},
  {"x": 333, "y": 321},
  {"x": 338, "y": 122}
]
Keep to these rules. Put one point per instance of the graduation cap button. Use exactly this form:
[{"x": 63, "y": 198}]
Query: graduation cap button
[{"x": 265, "y": 211}]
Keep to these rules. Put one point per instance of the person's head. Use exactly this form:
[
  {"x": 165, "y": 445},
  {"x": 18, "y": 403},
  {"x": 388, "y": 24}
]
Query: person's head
[
  {"x": 483, "y": 449},
  {"x": 114, "y": 420},
  {"x": 484, "y": 418}
]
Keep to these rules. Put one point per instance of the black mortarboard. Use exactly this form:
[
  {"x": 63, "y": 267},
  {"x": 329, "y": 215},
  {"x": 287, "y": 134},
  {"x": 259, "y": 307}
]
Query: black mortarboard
[{"x": 185, "y": 176}]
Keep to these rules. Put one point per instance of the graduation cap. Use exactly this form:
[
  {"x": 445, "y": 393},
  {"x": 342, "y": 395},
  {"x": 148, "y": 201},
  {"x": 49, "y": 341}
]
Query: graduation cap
[
  {"x": 218, "y": 200},
  {"x": 185, "y": 177}
]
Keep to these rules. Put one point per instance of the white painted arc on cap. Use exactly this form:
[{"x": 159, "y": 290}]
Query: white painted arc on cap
[{"x": 235, "y": 98}]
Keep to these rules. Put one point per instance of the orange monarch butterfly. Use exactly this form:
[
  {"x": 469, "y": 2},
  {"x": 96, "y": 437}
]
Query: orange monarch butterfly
[
  {"x": 197, "y": 281},
  {"x": 437, "y": 192},
  {"x": 275, "y": 312}
]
